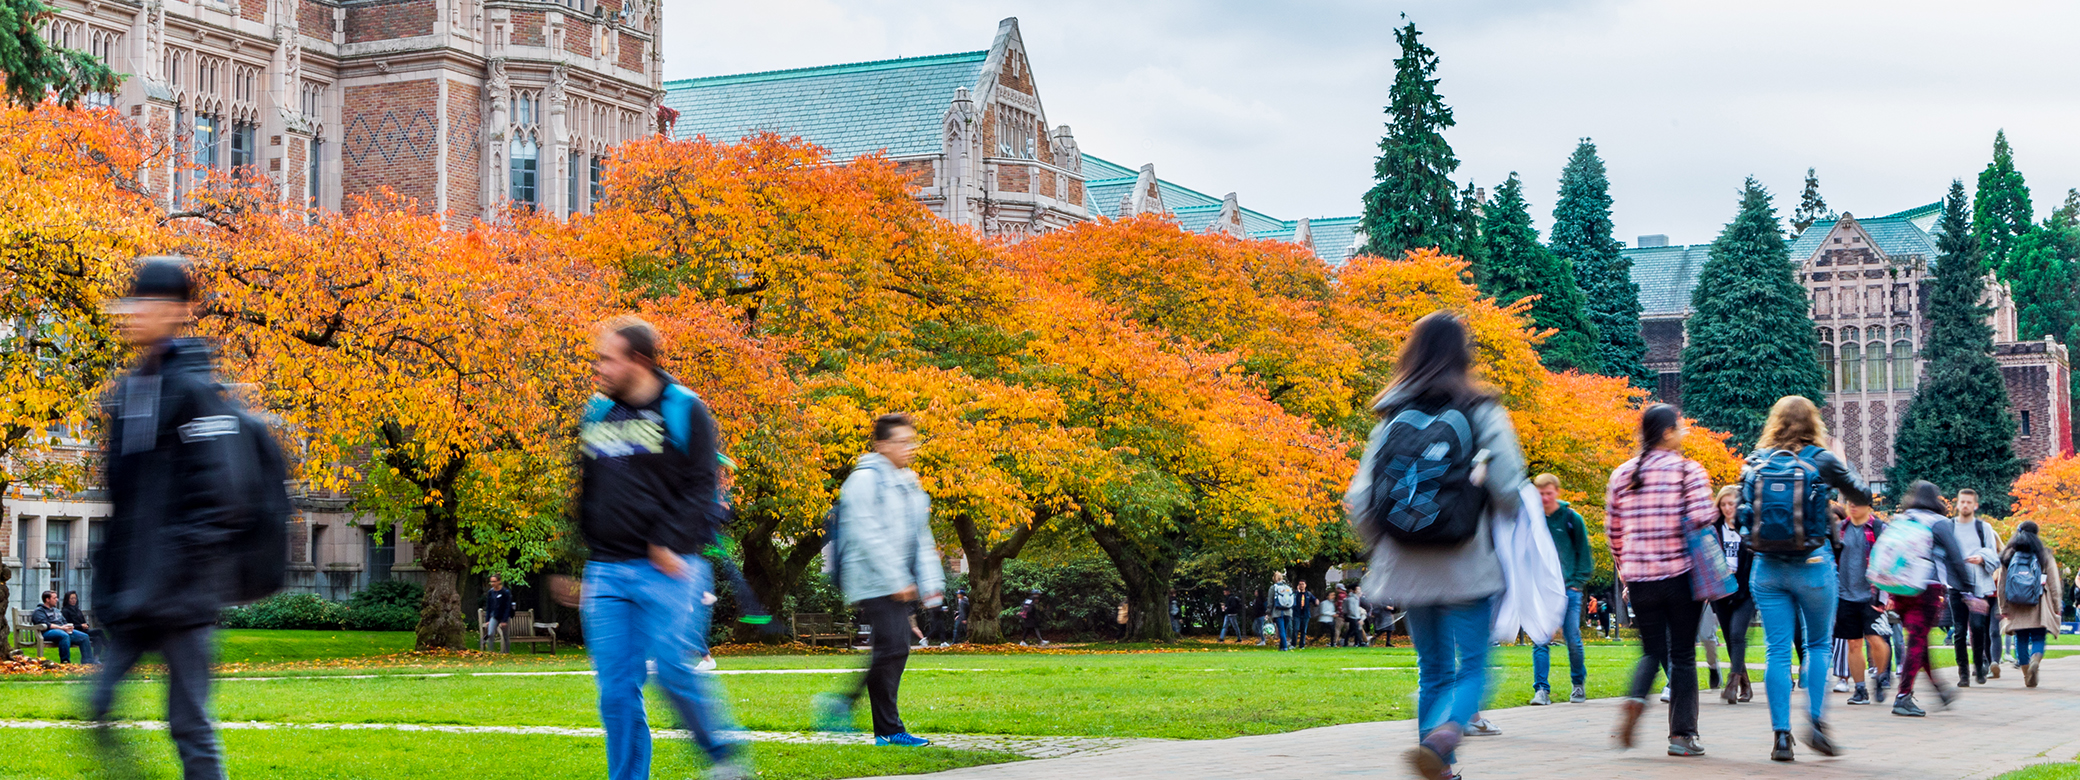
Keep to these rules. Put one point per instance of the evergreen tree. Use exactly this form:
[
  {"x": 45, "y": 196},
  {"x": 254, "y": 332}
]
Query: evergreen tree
[
  {"x": 1519, "y": 266},
  {"x": 1582, "y": 237},
  {"x": 1958, "y": 432},
  {"x": 2043, "y": 269},
  {"x": 1811, "y": 207},
  {"x": 2001, "y": 213},
  {"x": 1414, "y": 204},
  {"x": 1750, "y": 341},
  {"x": 1469, "y": 226},
  {"x": 2067, "y": 213},
  {"x": 35, "y": 69}
]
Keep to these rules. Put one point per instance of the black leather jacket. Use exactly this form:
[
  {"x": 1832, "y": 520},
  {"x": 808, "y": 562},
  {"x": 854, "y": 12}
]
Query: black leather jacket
[{"x": 1834, "y": 472}]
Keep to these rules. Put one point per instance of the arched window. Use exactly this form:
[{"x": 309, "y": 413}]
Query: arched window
[
  {"x": 1874, "y": 365},
  {"x": 1852, "y": 366},
  {"x": 1827, "y": 365},
  {"x": 526, "y": 164},
  {"x": 1902, "y": 365},
  {"x": 1850, "y": 334}
]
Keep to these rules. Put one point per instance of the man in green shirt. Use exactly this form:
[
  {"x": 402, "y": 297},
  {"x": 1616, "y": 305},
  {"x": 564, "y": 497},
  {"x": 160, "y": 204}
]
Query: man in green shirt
[{"x": 1571, "y": 539}]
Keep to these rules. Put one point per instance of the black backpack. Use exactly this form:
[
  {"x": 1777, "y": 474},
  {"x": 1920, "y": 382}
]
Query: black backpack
[
  {"x": 258, "y": 549},
  {"x": 1422, "y": 477}
]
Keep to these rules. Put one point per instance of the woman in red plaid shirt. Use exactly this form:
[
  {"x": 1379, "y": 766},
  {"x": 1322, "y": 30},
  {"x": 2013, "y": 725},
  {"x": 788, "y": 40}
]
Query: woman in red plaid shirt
[{"x": 1653, "y": 502}]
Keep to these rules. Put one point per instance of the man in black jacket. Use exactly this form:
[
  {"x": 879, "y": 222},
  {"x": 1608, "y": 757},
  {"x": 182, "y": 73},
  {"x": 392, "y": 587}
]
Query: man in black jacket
[
  {"x": 498, "y": 612},
  {"x": 161, "y": 574},
  {"x": 1231, "y": 616}
]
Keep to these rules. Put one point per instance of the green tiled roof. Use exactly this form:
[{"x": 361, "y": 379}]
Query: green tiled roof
[
  {"x": 850, "y": 109},
  {"x": 1666, "y": 275},
  {"x": 1894, "y": 235},
  {"x": 1916, "y": 213}
]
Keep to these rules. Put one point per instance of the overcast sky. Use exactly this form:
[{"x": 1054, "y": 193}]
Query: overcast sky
[{"x": 1281, "y": 101}]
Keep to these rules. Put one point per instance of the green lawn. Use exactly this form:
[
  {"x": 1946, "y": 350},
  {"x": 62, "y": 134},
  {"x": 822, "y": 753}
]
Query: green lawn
[
  {"x": 253, "y": 646},
  {"x": 325, "y": 755},
  {"x": 2063, "y": 770}
]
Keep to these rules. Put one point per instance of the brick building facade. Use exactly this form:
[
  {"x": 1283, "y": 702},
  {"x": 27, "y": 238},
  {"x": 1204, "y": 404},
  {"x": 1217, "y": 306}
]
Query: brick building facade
[
  {"x": 466, "y": 106},
  {"x": 1867, "y": 284}
]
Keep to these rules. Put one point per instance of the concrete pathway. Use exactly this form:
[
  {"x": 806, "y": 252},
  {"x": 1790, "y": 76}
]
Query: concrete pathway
[{"x": 1994, "y": 729}]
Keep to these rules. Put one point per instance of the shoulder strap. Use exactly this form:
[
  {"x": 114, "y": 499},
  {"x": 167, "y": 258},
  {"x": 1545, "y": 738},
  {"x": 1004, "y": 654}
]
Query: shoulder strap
[
  {"x": 678, "y": 415},
  {"x": 596, "y": 408}
]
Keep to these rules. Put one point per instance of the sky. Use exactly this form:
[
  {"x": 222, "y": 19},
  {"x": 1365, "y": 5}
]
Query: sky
[{"x": 1281, "y": 102}]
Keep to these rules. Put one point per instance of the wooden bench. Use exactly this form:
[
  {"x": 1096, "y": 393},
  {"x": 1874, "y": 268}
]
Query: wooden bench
[
  {"x": 521, "y": 630},
  {"x": 816, "y": 628},
  {"x": 22, "y": 633}
]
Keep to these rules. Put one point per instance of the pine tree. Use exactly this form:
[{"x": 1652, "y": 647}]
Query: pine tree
[
  {"x": 1958, "y": 432},
  {"x": 35, "y": 69},
  {"x": 1519, "y": 266},
  {"x": 2043, "y": 269},
  {"x": 2067, "y": 213},
  {"x": 1811, "y": 207},
  {"x": 1414, "y": 204},
  {"x": 1469, "y": 229},
  {"x": 1750, "y": 342},
  {"x": 2001, "y": 212},
  {"x": 1582, "y": 237}
]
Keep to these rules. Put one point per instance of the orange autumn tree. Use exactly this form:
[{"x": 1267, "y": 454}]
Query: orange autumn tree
[
  {"x": 424, "y": 368},
  {"x": 2049, "y": 495},
  {"x": 74, "y": 215}
]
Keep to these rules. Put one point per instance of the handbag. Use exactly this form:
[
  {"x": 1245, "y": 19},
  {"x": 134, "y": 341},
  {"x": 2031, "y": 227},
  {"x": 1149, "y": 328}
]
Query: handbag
[{"x": 1710, "y": 576}]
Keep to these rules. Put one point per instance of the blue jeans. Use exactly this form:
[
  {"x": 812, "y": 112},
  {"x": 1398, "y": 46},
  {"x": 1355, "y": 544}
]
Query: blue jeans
[
  {"x": 634, "y": 613},
  {"x": 1571, "y": 630},
  {"x": 2028, "y": 643},
  {"x": 1285, "y": 631},
  {"x": 1230, "y": 623},
  {"x": 1451, "y": 643},
  {"x": 66, "y": 640},
  {"x": 1786, "y": 591}
]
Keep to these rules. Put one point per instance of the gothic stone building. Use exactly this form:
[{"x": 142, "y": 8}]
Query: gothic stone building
[
  {"x": 972, "y": 132},
  {"x": 464, "y": 105},
  {"x": 1867, "y": 283}
]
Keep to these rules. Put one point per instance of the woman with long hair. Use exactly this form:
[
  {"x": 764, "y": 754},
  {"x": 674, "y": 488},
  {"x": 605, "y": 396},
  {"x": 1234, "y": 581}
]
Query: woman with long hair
[
  {"x": 1917, "y": 611},
  {"x": 1797, "y": 587},
  {"x": 2030, "y": 623},
  {"x": 1652, "y": 504},
  {"x": 1736, "y": 610},
  {"x": 1446, "y": 589}
]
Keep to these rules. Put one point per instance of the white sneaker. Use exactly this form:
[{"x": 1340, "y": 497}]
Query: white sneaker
[
  {"x": 1021, "y": 643},
  {"x": 1664, "y": 694},
  {"x": 707, "y": 664},
  {"x": 1043, "y": 643}
]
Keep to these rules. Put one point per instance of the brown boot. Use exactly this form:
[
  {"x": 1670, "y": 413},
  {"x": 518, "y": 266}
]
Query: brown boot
[
  {"x": 1732, "y": 693},
  {"x": 2029, "y": 673},
  {"x": 1629, "y": 711},
  {"x": 1747, "y": 693}
]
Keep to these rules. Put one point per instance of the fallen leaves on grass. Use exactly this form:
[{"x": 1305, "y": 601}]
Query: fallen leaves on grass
[{"x": 24, "y": 665}]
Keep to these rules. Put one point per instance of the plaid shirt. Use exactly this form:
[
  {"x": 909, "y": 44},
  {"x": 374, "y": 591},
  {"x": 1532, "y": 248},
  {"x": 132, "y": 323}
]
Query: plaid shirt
[{"x": 1647, "y": 526}]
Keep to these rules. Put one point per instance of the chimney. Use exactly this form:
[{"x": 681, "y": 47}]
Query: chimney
[{"x": 1653, "y": 241}]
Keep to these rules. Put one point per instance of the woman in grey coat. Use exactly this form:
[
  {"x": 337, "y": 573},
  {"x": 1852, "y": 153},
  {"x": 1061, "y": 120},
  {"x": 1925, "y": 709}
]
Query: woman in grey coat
[{"x": 1447, "y": 591}]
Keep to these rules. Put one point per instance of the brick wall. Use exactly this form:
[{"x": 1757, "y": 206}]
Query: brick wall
[
  {"x": 382, "y": 21},
  {"x": 631, "y": 49},
  {"x": 314, "y": 19},
  {"x": 298, "y": 156},
  {"x": 390, "y": 138},
  {"x": 919, "y": 172},
  {"x": 577, "y": 36},
  {"x": 252, "y": 10},
  {"x": 465, "y": 149},
  {"x": 2029, "y": 390},
  {"x": 527, "y": 28},
  {"x": 1014, "y": 178},
  {"x": 1022, "y": 78},
  {"x": 299, "y": 541},
  {"x": 1075, "y": 192}
]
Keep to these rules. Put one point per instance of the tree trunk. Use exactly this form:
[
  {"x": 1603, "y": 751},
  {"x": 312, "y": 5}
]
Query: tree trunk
[
  {"x": 986, "y": 577},
  {"x": 440, "y": 615},
  {"x": 772, "y": 571},
  {"x": 1147, "y": 575}
]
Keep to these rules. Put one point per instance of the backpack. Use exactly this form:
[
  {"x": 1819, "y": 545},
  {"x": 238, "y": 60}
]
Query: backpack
[
  {"x": 1784, "y": 503},
  {"x": 2024, "y": 585},
  {"x": 677, "y": 408},
  {"x": 258, "y": 567},
  {"x": 1284, "y": 598},
  {"x": 1422, "y": 478},
  {"x": 1903, "y": 559},
  {"x": 833, "y": 553}
]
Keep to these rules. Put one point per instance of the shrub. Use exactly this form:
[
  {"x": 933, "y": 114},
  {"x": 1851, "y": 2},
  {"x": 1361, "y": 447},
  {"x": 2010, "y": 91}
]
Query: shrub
[
  {"x": 1080, "y": 594},
  {"x": 284, "y": 611},
  {"x": 382, "y": 617}
]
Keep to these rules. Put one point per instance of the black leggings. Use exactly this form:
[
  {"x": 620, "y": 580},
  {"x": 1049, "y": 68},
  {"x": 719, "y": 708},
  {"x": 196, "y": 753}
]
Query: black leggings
[
  {"x": 1667, "y": 617},
  {"x": 1736, "y": 613}
]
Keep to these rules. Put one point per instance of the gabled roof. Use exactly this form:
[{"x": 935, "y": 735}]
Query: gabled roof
[
  {"x": 1894, "y": 235},
  {"x": 1666, "y": 275},
  {"x": 852, "y": 109}
]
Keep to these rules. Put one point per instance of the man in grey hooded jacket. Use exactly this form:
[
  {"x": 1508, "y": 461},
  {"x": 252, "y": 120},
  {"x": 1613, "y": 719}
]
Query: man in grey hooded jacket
[{"x": 886, "y": 562}]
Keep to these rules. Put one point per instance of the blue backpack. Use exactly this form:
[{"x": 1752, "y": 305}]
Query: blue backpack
[
  {"x": 678, "y": 413},
  {"x": 1422, "y": 478},
  {"x": 2024, "y": 585},
  {"x": 1784, "y": 503}
]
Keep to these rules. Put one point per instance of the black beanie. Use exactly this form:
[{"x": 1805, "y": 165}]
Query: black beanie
[{"x": 161, "y": 277}]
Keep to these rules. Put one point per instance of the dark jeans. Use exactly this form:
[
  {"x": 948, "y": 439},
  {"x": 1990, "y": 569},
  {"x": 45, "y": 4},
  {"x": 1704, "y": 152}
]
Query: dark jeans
[
  {"x": 1667, "y": 617},
  {"x": 187, "y": 653},
  {"x": 1735, "y": 613},
  {"x": 1969, "y": 638},
  {"x": 884, "y": 676}
]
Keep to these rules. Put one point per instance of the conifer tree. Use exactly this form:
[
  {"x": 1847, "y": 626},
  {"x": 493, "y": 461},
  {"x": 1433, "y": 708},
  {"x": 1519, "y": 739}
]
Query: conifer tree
[
  {"x": 1958, "y": 432},
  {"x": 1750, "y": 341},
  {"x": 1414, "y": 204},
  {"x": 2001, "y": 211},
  {"x": 1517, "y": 265},
  {"x": 1582, "y": 238},
  {"x": 1811, "y": 207},
  {"x": 35, "y": 69}
]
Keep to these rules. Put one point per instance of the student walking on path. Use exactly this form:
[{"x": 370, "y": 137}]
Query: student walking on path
[
  {"x": 1231, "y": 616},
  {"x": 1972, "y": 642},
  {"x": 887, "y": 561},
  {"x": 647, "y": 504},
  {"x": 1794, "y": 582},
  {"x": 1281, "y": 599},
  {"x": 1736, "y": 610},
  {"x": 1932, "y": 568},
  {"x": 1304, "y": 609},
  {"x": 1441, "y": 463},
  {"x": 1571, "y": 540},
  {"x": 1859, "y": 612},
  {"x": 2029, "y": 586},
  {"x": 1654, "y": 502}
]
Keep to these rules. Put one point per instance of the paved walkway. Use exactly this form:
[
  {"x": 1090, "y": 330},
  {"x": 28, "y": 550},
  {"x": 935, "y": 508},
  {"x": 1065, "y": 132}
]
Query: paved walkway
[{"x": 1992, "y": 730}]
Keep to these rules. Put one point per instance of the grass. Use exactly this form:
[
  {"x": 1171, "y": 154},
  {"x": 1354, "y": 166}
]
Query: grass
[
  {"x": 2063, "y": 770},
  {"x": 343, "y": 755},
  {"x": 255, "y": 646}
]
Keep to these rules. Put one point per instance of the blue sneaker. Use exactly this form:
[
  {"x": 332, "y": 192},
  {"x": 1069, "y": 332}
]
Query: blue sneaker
[
  {"x": 904, "y": 739},
  {"x": 833, "y": 712}
]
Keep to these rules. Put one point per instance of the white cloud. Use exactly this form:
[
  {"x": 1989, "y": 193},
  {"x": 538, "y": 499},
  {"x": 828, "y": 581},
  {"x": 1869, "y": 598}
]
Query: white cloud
[{"x": 1281, "y": 101}]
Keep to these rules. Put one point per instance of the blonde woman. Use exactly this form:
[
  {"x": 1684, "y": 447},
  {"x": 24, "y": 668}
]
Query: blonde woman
[{"x": 1737, "y": 610}]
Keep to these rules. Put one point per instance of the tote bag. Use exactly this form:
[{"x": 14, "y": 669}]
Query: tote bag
[{"x": 1710, "y": 577}]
